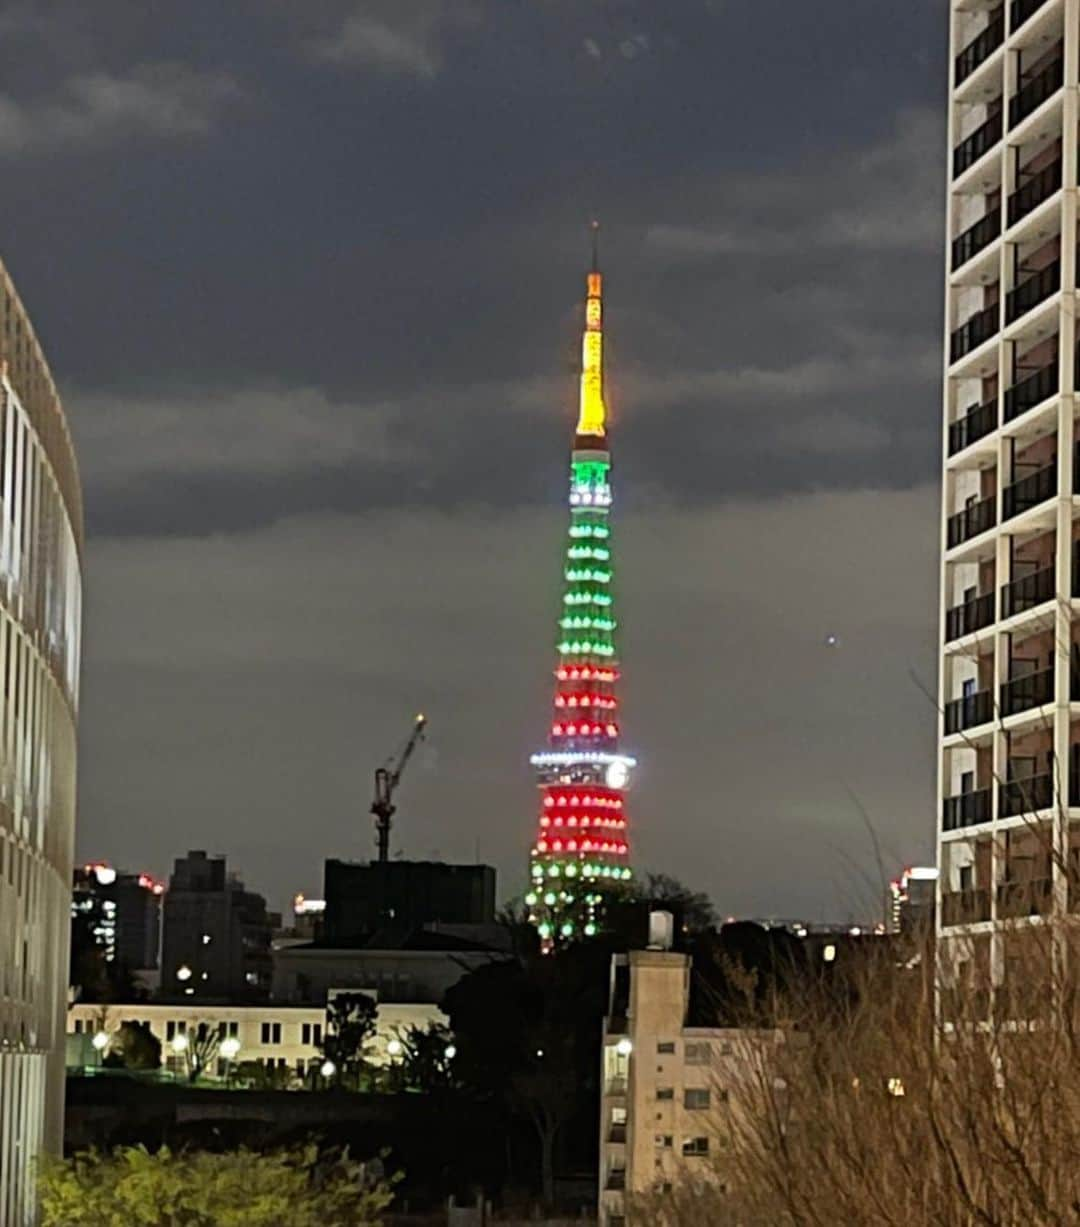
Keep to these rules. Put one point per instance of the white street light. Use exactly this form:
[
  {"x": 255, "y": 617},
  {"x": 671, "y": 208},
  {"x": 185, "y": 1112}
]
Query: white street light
[
  {"x": 230, "y": 1047},
  {"x": 183, "y": 973},
  {"x": 328, "y": 1069},
  {"x": 451, "y": 1052},
  {"x": 394, "y": 1048},
  {"x": 179, "y": 1042},
  {"x": 100, "y": 1041}
]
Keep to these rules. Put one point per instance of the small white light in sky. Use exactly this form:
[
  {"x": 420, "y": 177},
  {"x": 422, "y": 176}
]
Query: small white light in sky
[{"x": 832, "y": 641}]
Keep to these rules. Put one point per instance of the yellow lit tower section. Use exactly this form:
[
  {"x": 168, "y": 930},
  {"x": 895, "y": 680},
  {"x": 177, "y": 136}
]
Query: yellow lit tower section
[{"x": 580, "y": 858}]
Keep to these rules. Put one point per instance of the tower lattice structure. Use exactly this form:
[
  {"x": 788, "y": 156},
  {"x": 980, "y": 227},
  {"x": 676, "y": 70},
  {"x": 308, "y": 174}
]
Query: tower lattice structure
[{"x": 580, "y": 858}]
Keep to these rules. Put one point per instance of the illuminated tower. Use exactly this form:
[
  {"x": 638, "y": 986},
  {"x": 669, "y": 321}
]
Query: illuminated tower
[{"x": 581, "y": 857}]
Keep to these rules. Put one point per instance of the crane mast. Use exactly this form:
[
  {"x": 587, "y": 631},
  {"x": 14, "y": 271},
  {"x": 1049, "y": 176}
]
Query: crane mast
[{"x": 387, "y": 778}]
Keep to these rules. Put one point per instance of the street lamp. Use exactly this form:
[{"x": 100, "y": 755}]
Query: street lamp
[
  {"x": 100, "y": 1042},
  {"x": 393, "y": 1048},
  {"x": 624, "y": 1047},
  {"x": 228, "y": 1048},
  {"x": 451, "y": 1052},
  {"x": 328, "y": 1069}
]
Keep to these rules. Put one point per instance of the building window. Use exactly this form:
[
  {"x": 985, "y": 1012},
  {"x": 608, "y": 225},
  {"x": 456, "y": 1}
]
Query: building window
[
  {"x": 271, "y": 1033},
  {"x": 695, "y": 1147},
  {"x": 665, "y": 1046},
  {"x": 698, "y": 1054},
  {"x": 170, "y": 1030},
  {"x": 234, "y": 1029},
  {"x": 726, "y": 1048},
  {"x": 311, "y": 1033},
  {"x": 664, "y": 1140},
  {"x": 696, "y": 1097},
  {"x": 665, "y": 1092}
]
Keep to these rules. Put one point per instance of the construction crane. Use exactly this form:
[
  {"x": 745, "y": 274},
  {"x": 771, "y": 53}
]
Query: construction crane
[{"x": 387, "y": 778}]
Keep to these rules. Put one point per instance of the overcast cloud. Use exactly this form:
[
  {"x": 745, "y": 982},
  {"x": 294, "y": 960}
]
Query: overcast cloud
[{"x": 309, "y": 277}]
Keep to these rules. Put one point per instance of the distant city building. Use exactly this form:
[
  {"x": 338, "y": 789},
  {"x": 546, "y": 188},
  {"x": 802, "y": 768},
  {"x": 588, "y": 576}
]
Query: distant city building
[
  {"x": 275, "y": 1035},
  {"x": 123, "y": 912},
  {"x": 215, "y": 941},
  {"x": 399, "y": 968},
  {"x": 912, "y": 900},
  {"x": 364, "y": 898},
  {"x": 580, "y": 856},
  {"x": 41, "y": 535}
]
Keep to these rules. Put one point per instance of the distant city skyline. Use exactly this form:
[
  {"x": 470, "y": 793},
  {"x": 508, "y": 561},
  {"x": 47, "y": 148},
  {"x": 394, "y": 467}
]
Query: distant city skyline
[{"x": 314, "y": 311}]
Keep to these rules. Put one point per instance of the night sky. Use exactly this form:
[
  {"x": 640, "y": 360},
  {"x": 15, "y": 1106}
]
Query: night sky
[{"x": 310, "y": 278}]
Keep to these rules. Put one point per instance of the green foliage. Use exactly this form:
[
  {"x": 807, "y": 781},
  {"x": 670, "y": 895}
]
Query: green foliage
[
  {"x": 134, "y": 1046},
  {"x": 350, "y": 1024},
  {"x": 133, "y": 1188}
]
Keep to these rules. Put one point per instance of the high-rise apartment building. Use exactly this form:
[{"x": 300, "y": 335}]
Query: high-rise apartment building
[
  {"x": 215, "y": 935},
  {"x": 1009, "y": 768},
  {"x": 40, "y": 623}
]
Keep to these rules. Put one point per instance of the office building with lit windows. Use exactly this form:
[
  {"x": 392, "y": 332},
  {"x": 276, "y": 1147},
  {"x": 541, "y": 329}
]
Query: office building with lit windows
[
  {"x": 1009, "y": 725},
  {"x": 41, "y": 532}
]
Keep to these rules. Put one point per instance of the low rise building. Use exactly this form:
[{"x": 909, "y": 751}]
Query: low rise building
[
  {"x": 668, "y": 1086},
  {"x": 274, "y": 1035}
]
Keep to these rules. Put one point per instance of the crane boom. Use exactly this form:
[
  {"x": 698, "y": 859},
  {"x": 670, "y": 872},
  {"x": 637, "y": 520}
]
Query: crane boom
[{"x": 387, "y": 779}]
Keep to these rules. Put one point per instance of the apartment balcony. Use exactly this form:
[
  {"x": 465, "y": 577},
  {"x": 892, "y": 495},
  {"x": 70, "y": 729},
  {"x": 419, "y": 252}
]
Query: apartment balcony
[
  {"x": 1036, "y": 91},
  {"x": 1023, "y": 693},
  {"x": 1032, "y": 390},
  {"x": 617, "y": 1134},
  {"x": 976, "y": 424},
  {"x": 1021, "y": 10},
  {"x": 1026, "y": 795},
  {"x": 1025, "y": 593},
  {"x": 616, "y": 1179},
  {"x": 981, "y": 47},
  {"x": 969, "y": 617},
  {"x": 976, "y": 237},
  {"x": 1036, "y": 289},
  {"x": 1029, "y": 491},
  {"x": 969, "y": 711},
  {"x": 965, "y": 907},
  {"x": 973, "y": 331},
  {"x": 1032, "y": 897},
  {"x": 972, "y": 521},
  {"x": 1038, "y": 188},
  {"x": 966, "y": 809},
  {"x": 615, "y": 1085},
  {"x": 980, "y": 142}
]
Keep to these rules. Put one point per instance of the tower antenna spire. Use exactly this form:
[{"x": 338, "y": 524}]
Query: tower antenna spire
[{"x": 594, "y": 227}]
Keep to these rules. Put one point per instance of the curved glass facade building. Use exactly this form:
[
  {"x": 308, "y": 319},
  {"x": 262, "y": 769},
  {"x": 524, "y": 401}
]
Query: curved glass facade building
[{"x": 41, "y": 535}]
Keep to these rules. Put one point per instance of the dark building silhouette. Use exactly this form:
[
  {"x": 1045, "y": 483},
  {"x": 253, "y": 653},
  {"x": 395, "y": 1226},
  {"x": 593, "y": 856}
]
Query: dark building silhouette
[
  {"x": 363, "y": 898},
  {"x": 216, "y": 935},
  {"x": 122, "y": 912}
]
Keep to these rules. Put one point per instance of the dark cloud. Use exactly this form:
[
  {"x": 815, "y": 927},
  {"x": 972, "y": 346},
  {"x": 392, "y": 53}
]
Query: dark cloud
[{"x": 310, "y": 278}]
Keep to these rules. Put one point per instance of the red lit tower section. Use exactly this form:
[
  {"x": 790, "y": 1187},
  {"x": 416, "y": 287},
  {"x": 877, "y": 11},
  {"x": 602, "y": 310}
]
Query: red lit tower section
[{"x": 581, "y": 857}]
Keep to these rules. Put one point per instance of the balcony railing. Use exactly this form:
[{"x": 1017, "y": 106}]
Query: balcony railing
[
  {"x": 1036, "y": 91},
  {"x": 969, "y": 617},
  {"x": 965, "y": 907},
  {"x": 978, "y": 422},
  {"x": 1038, "y": 188},
  {"x": 1036, "y": 289},
  {"x": 1025, "y": 795},
  {"x": 615, "y": 1085},
  {"x": 982, "y": 46},
  {"x": 617, "y": 1134},
  {"x": 1021, "y": 10},
  {"x": 616, "y": 1178},
  {"x": 976, "y": 237},
  {"x": 1027, "y": 591},
  {"x": 1029, "y": 491},
  {"x": 967, "y": 809},
  {"x": 1030, "y": 897},
  {"x": 981, "y": 141},
  {"x": 1027, "y": 691},
  {"x": 1032, "y": 390},
  {"x": 971, "y": 521},
  {"x": 973, "y": 331},
  {"x": 969, "y": 711}
]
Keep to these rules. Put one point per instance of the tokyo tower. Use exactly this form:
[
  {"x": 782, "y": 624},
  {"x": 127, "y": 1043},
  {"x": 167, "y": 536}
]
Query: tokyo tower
[{"x": 580, "y": 858}]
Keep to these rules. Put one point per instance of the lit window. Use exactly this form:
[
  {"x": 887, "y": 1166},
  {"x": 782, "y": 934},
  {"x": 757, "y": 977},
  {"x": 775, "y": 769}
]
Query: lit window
[
  {"x": 829, "y": 953},
  {"x": 665, "y": 1092},
  {"x": 695, "y": 1146}
]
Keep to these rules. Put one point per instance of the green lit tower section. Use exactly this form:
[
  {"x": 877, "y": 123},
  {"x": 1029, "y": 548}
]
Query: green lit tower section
[{"x": 581, "y": 858}]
